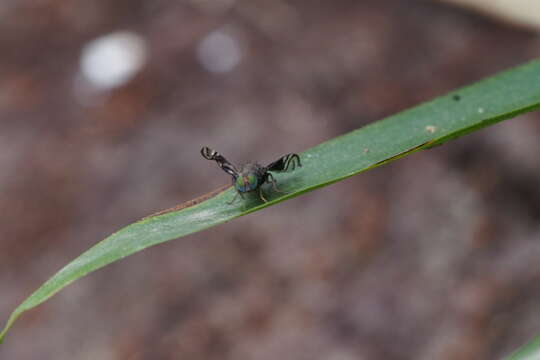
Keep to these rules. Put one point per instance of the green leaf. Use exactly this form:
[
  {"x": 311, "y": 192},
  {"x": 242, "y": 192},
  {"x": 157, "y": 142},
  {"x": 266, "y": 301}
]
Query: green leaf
[
  {"x": 530, "y": 351},
  {"x": 484, "y": 103}
]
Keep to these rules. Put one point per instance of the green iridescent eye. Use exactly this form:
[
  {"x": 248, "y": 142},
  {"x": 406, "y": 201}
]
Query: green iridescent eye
[
  {"x": 239, "y": 184},
  {"x": 246, "y": 183}
]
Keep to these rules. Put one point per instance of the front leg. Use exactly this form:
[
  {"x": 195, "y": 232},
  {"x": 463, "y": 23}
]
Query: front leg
[
  {"x": 235, "y": 195},
  {"x": 233, "y": 199}
]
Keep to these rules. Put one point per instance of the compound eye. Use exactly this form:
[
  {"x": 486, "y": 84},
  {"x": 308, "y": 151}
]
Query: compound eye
[
  {"x": 246, "y": 183},
  {"x": 252, "y": 181}
]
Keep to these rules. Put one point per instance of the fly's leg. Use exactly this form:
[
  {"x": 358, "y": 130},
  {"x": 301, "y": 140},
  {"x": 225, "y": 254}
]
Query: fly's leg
[
  {"x": 261, "y": 195},
  {"x": 270, "y": 178},
  {"x": 235, "y": 196},
  {"x": 233, "y": 199}
]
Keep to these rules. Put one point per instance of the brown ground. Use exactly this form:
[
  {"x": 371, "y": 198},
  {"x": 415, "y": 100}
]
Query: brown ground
[{"x": 434, "y": 256}]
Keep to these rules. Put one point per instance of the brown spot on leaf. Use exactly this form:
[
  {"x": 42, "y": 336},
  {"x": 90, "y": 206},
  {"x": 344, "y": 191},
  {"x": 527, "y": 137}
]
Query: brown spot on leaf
[{"x": 190, "y": 203}]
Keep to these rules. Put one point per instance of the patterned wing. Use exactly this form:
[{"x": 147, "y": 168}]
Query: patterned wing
[
  {"x": 226, "y": 166},
  {"x": 285, "y": 163}
]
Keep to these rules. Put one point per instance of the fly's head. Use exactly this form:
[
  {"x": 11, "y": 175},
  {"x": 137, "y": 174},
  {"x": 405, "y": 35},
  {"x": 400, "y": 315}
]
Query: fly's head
[{"x": 249, "y": 178}]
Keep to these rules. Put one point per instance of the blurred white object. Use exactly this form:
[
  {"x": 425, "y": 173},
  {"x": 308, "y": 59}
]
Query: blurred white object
[
  {"x": 113, "y": 59},
  {"x": 522, "y": 12},
  {"x": 219, "y": 52}
]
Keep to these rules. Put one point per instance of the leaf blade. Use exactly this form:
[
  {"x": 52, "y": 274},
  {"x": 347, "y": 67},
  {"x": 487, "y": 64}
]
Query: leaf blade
[{"x": 447, "y": 117}]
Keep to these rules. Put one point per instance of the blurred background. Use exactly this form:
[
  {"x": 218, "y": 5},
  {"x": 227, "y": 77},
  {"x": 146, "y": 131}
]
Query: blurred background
[{"x": 104, "y": 106}]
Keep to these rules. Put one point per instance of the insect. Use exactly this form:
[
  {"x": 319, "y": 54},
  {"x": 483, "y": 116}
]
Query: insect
[{"x": 250, "y": 177}]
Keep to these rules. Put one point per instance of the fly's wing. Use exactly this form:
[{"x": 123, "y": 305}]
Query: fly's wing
[
  {"x": 285, "y": 163},
  {"x": 226, "y": 166}
]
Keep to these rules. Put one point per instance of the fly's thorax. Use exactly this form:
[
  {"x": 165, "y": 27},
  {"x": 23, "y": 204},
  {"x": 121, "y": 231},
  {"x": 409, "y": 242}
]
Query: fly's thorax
[{"x": 249, "y": 178}]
